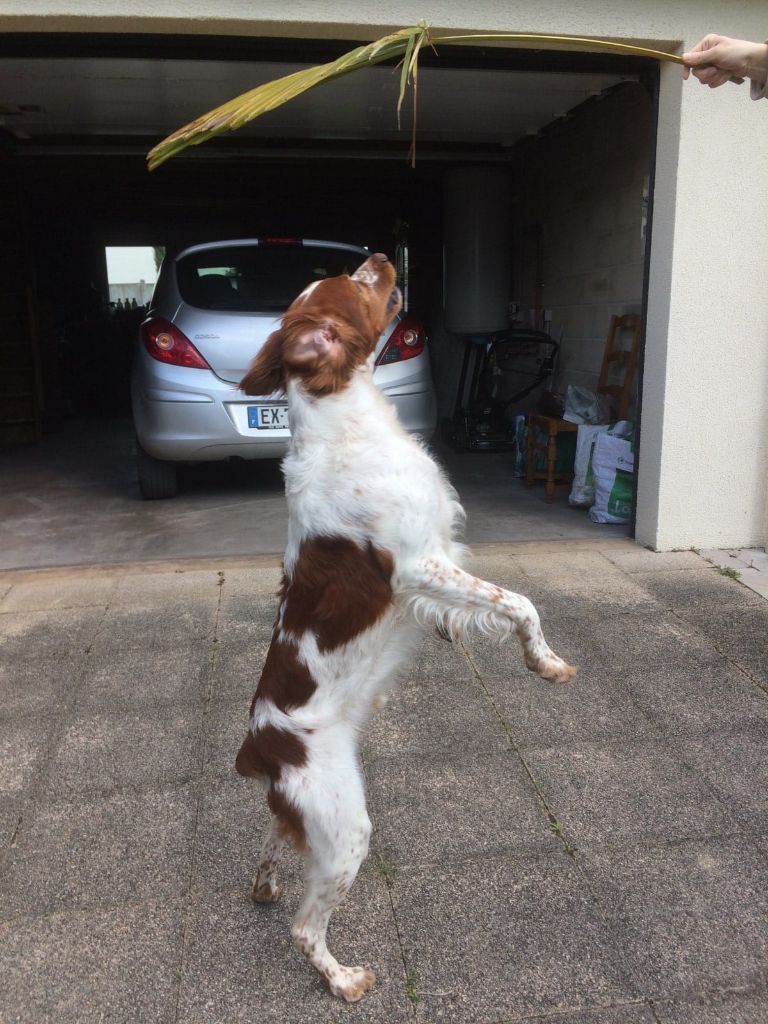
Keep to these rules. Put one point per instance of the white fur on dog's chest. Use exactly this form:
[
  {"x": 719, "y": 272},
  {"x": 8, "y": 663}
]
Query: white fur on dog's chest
[{"x": 353, "y": 471}]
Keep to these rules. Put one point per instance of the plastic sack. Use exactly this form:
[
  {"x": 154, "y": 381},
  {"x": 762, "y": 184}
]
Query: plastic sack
[
  {"x": 583, "y": 489},
  {"x": 565, "y": 448},
  {"x": 585, "y": 406},
  {"x": 613, "y": 466},
  {"x": 520, "y": 455}
]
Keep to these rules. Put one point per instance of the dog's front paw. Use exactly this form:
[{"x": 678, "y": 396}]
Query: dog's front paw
[{"x": 351, "y": 983}]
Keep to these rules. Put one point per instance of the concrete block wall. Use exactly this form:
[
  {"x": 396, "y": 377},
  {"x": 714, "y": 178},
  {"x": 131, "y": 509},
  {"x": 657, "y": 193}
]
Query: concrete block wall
[{"x": 584, "y": 182}]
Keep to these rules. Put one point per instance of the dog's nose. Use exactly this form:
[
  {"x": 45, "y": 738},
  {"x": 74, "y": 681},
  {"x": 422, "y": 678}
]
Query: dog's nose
[{"x": 369, "y": 273}]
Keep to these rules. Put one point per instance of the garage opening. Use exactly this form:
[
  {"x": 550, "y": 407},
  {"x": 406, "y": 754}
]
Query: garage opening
[{"x": 569, "y": 136}]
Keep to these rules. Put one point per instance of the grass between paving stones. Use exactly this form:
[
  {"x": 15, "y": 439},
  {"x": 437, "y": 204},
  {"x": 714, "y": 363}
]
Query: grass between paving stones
[
  {"x": 412, "y": 988},
  {"x": 386, "y": 869},
  {"x": 555, "y": 826},
  {"x": 724, "y": 570}
]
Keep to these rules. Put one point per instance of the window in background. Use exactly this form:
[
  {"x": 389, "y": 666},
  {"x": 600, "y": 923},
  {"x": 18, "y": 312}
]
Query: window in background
[{"x": 131, "y": 272}]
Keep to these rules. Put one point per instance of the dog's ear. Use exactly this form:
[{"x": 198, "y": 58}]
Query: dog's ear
[{"x": 266, "y": 373}]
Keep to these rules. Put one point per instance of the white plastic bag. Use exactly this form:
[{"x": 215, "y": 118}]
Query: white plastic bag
[
  {"x": 583, "y": 489},
  {"x": 613, "y": 465},
  {"x": 585, "y": 406},
  {"x": 521, "y": 447}
]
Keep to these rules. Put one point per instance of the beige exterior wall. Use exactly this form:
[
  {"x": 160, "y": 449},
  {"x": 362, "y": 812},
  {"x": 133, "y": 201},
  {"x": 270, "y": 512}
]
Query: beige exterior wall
[
  {"x": 702, "y": 478},
  {"x": 705, "y": 416}
]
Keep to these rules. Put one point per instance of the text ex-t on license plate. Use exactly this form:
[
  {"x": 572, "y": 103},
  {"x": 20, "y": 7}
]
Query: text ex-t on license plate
[{"x": 268, "y": 417}]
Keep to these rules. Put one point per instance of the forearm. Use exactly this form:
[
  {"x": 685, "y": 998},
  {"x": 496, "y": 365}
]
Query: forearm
[{"x": 757, "y": 64}]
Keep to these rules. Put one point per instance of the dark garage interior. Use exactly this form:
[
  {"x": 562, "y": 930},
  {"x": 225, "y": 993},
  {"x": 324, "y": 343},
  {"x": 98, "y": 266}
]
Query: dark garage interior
[{"x": 79, "y": 114}]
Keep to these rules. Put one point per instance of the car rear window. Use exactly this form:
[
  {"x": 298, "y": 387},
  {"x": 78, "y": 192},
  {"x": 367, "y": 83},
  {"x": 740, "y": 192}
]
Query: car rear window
[{"x": 252, "y": 278}]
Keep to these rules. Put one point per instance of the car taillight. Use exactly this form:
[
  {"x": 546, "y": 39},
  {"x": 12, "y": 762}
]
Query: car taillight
[
  {"x": 167, "y": 344},
  {"x": 406, "y": 341}
]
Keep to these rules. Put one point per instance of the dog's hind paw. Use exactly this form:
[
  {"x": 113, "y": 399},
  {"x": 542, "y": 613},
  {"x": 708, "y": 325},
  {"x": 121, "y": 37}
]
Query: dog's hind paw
[
  {"x": 351, "y": 983},
  {"x": 554, "y": 669},
  {"x": 265, "y": 890}
]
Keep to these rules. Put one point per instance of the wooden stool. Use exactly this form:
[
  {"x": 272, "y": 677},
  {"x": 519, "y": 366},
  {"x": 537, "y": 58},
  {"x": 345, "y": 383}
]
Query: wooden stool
[
  {"x": 620, "y": 393},
  {"x": 551, "y": 428}
]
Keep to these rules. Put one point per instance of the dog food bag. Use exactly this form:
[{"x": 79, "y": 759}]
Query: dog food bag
[
  {"x": 613, "y": 467},
  {"x": 583, "y": 489}
]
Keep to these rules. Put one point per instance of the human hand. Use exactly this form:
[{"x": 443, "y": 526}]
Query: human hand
[{"x": 716, "y": 60}]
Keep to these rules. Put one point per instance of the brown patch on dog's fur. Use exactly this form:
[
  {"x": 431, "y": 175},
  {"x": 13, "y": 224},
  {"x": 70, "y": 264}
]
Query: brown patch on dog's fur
[
  {"x": 263, "y": 755},
  {"x": 289, "y": 818},
  {"x": 338, "y": 589},
  {"x": 266, "y": 373},
  {"x": 354, "y": 316},
  {"x": 325, "y": 376},
  {"x": 320, "y": 376},
  {"x": 284, "y": 679},
  {"x": 265, "y": 752}
]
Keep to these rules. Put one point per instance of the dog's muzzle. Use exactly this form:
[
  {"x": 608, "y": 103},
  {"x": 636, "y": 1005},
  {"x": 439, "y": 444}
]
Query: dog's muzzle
[{"x": 395, "y": 299}]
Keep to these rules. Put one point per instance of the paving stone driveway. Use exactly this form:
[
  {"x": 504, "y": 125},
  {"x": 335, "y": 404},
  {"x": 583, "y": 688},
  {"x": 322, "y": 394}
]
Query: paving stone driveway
[{"x": 596, "y": 853}]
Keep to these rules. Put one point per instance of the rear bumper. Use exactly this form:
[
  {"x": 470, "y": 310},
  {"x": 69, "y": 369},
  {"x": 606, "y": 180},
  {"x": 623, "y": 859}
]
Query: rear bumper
[
  {"x": 184, "y": 431},
  {"x": 184, "y": 415},
  {"x": 416, "y": 410}
]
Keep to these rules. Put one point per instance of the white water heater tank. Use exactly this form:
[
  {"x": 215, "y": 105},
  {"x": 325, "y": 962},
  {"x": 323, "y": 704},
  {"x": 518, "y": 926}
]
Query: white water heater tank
[{"x": 477, "y": 252}]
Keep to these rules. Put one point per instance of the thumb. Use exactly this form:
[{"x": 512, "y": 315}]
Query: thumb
[{"x": 697, "y": 58}]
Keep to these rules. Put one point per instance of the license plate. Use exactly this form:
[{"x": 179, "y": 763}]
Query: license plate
[{"x": 268, "y": 417}]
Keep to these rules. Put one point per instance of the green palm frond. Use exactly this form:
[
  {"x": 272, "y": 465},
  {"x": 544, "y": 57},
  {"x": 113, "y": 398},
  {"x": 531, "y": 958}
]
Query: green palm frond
[
  {"x": 406, "y": 43},
  {"x": 239, "y": 111}
]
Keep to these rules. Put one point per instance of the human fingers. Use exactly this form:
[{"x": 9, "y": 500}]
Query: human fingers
[
  {"x": 701, "y": 52},
  {"x": 720, "y": 78},
  {"x": 701, "y": 58},
  {"x": 711, "y": 76}
]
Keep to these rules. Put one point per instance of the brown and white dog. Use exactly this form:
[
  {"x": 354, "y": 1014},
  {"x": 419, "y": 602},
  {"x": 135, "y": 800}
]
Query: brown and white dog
[{"x": 371, "y": 560}]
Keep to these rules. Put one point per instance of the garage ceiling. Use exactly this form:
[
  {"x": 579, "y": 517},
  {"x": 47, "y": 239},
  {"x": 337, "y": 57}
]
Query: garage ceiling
[{"x": 46, "y": 101}]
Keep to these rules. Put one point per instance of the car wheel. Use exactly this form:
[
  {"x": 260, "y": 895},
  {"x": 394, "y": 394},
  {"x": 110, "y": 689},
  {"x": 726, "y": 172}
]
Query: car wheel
[{"x": 157, "y": 479}]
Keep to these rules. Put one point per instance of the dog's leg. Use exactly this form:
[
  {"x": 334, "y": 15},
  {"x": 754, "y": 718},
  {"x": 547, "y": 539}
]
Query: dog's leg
[
  {"x": 441, "y": 591},
  {"x": 266, "y": 888},
  {"x": 326, "y": 889},
  {"x": 336, "y": 847}
]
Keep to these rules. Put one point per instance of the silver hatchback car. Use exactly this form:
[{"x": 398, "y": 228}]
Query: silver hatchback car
[{"x": 213, "y": 307}]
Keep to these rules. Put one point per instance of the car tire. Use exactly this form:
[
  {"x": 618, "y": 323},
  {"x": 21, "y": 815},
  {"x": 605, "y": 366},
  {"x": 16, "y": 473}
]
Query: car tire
[{"x": 157, "y": 479}]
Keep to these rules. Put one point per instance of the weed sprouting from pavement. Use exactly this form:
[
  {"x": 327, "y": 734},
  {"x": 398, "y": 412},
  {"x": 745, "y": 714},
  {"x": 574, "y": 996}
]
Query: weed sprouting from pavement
[
  {"x": 724, "y": 570},
  {"x": 412, "y": 988}
]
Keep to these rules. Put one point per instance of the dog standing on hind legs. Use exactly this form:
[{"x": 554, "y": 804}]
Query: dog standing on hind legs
[{"x": 371, "y": 560}]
